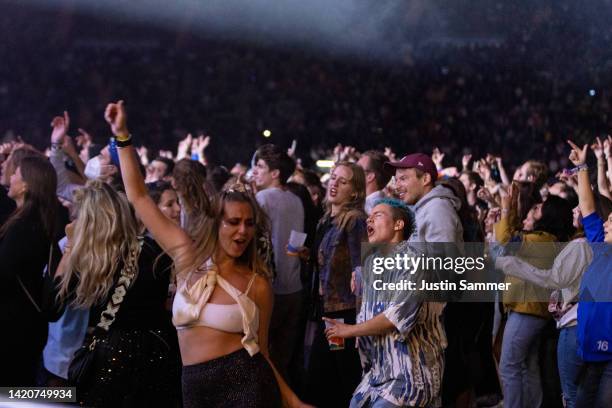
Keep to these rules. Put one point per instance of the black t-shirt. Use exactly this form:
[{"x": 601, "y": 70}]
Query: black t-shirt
[
  {"x": 143, "y": 306},
  {"x": 24, "y": 251}
]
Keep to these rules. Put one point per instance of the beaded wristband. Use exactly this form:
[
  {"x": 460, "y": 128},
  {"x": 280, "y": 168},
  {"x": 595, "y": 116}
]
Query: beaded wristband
[{"x": 580, "y": 167}]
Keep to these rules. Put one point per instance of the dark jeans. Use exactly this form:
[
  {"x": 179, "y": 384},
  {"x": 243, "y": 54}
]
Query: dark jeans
[
  {"x": 332, "y": 376},
  {"x": 595, "y": 386},
  {"x": 284, "y": 328}
]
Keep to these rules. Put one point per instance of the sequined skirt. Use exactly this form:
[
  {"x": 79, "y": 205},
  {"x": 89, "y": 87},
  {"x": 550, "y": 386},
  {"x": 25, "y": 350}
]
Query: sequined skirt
[
  {"x": 134, "y": 368},
  {"x": 236, "y": 380}
]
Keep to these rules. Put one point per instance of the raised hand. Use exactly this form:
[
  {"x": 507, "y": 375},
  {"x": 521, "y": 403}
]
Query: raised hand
[
  {"x": 83, "y": 139},
  {"x": 142, "y": 152},
  {"x": 607, "y": 147},
  {"x": 7, "y": 148},
  {"x": 200, "y": 144},
  {"x": 60, "y": 125},
  {"x": 598, "y": 148},
  {"x": 347, "y": 153},
  {"x": 390, "y": 154},
  {"x": 338, "y": 152},
  {"x": 437, "y": 156},
  {"x": 167, "y": 154},
  {"x": 484, "y": 170},
  {"x": 183, "y": 147},
  {"x": 484, "y": 194},
  {"x": 465, "y": 161},
  {"x": 291, "y": 150},
  {"x": 577, "y": 155},
  {"x": 492, "y": 159},
  {"x": 116, "y": 117}
]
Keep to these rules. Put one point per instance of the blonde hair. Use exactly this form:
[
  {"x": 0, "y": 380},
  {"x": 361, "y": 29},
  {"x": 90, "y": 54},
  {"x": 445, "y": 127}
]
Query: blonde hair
[
  {"x": 105, "y": 232},
  {"x": 354, "y": 208}
]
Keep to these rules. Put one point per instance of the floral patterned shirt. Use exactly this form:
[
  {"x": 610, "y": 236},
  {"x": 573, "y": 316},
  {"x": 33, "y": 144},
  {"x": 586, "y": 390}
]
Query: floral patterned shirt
[{"x": 338, "y": 255}]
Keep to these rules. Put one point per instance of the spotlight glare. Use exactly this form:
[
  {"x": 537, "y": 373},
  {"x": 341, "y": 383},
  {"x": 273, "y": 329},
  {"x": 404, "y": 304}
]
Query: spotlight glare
[
  {"x": 325, "y": 164},
  {"x": 266, "y": 133}
]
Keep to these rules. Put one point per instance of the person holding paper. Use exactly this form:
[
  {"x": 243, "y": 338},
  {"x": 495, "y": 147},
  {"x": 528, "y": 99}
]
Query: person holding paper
[{"x": 271, "y": 171}]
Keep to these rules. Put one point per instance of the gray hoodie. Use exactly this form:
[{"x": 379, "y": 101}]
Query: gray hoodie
[{"x": 436, "y": 217}]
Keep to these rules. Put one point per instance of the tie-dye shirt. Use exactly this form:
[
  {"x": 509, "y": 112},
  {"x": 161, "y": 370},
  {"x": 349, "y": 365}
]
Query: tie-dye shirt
[{"x": 403, "y": 367}]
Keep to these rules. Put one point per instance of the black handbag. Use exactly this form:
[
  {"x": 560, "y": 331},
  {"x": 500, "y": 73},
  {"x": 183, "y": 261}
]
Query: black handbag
[{"x": 81, "y": 364}]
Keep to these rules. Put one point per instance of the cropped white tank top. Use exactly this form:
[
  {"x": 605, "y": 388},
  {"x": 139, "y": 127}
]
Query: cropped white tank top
[{"x": 191, "y": 307}]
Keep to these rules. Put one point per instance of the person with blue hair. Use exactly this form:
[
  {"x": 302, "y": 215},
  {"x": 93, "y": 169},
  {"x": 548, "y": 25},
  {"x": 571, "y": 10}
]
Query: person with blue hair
[{"x": 401, "y": 338}]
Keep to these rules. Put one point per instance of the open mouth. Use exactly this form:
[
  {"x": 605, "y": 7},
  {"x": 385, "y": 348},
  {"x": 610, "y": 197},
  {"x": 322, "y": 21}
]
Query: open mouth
[
  {"x": 370, "y": 230},
  {"x": 333, "y": 191}
]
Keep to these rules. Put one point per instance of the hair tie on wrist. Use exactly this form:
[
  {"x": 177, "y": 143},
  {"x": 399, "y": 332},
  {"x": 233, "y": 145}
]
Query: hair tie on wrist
[{"x": 124, "y": 143}]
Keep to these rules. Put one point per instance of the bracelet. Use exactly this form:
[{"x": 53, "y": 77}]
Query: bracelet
[
  {"x": 123, "y": 137},
  {"x": 124, "y": 143},
  {"x": 580, "y": 167}
]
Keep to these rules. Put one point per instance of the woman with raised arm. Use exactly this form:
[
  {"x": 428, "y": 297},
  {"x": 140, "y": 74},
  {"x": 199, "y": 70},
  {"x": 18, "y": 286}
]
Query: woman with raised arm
[
  {"x": 595, "y": 298},
  {"x": 223, "y": 303},
  {"x": 544, "y": 226}
]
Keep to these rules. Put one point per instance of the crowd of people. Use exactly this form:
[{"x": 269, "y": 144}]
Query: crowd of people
[
  {"x": 147, "y": 272},
  {"x": 525, "y": 93},
  {"x": 104, "y": 248}
]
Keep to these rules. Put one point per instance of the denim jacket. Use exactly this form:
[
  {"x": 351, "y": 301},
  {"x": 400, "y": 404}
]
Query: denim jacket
[{"x": 338, "y": 255}]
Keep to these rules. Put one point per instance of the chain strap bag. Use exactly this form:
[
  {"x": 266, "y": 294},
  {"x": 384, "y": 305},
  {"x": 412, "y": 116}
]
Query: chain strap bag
[{"x": 80, "y": 367}]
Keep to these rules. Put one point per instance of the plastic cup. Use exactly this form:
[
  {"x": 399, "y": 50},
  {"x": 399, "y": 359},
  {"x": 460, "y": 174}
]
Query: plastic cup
[
  {"x": 335, "y": 343},
  {"x": 296, "y": 241}
]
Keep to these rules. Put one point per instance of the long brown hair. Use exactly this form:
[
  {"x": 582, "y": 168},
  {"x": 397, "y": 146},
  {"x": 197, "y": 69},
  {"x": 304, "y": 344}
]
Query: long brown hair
[
  {"x": 354, "y": 208},
  {"x": 40, "y": 198},
  {"x": 15, "y": 158}
]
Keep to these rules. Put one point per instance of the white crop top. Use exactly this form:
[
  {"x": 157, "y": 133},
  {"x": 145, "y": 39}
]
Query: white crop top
[{"x": 191, "y": 307}]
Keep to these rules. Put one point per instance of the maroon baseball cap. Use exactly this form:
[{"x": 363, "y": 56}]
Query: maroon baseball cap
[{"x": 419, "y": 161}]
